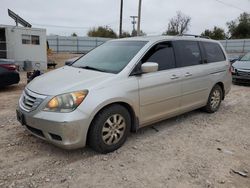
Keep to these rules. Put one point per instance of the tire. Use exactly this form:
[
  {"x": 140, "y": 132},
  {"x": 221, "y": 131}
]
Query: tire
[
  {"x": 214, "y": 99},
  {"x": 109, "y": 129}
]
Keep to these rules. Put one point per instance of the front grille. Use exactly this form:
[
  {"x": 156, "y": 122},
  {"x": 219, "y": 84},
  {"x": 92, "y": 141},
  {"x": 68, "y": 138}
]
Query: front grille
[
  {"x": 243, "y": 73},
  {"x": 30, "y": 101}
]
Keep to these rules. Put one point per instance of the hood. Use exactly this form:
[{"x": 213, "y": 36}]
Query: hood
[
  {"x": 242, "y": 65},
  {"x": 67, "y": 79}
]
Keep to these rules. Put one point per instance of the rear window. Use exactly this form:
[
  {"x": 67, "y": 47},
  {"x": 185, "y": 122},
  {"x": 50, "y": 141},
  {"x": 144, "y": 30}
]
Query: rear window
[
  {"x": 246, "y": 57},
  {"x": 213, "y": 52}
]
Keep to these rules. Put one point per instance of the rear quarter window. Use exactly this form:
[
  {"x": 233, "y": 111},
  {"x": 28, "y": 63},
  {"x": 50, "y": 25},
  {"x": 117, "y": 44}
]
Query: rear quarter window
[{"x": 213, "y": 52}]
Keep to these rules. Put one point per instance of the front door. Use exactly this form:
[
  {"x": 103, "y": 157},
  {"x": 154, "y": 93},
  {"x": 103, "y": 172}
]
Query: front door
[{"x": 160, "y": 91}]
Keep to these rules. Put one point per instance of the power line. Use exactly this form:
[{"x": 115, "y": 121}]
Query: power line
[
  {"x": 59, "y": 26},
  {"x": 70, "y": 27},
  {"x": 76, "y": 27},
  {"x": 231, "y": 5}
]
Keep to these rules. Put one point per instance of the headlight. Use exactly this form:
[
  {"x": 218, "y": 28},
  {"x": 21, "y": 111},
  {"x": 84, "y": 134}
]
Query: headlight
[
  {"x": 66, "y": 102},
  {"x": 232, "y": 69}
]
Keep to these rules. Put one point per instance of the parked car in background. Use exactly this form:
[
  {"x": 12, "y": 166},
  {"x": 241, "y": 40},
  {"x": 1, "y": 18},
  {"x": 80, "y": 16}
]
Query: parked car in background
[
  {"x": 233, "y": 59},
  {"x": 71, "y": 61},
  {"x": 124, "y": 85},
  {"x": 8, "y": 73},
  {"x": 241, "y": 70}
]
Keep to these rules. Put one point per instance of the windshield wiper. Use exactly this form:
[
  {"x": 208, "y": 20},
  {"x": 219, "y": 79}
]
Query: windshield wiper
[{"x": 92, "y": 68}]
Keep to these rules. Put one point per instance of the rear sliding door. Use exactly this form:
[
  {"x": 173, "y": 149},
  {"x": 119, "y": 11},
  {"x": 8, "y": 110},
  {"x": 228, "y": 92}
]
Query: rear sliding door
[{"x": 194, "y": 75}]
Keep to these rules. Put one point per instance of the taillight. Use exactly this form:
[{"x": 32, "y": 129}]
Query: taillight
[
  {"x": 230, "y": 68},
  {"x": 10, "y": 67}
]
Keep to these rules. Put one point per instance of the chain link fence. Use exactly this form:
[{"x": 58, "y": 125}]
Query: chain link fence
[
  {"x": 236, "y": 45},
  {"x": 85, "y": 44},
  {"x": 74, "y": 44}
]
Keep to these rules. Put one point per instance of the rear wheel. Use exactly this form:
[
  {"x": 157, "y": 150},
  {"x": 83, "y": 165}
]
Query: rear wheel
[
  {"x": 214, "y": 99},
  {"x": 109, "y": 129}
]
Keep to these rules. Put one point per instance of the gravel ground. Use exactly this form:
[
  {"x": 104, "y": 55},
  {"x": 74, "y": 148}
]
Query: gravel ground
[{"x": 192, "y": 150}]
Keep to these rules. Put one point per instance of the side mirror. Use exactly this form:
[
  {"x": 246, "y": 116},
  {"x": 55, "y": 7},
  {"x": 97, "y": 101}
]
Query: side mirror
[{"x": 149, "y": 67}]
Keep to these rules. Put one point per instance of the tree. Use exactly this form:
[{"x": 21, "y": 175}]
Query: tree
[
  {"x": 125, "y": 34},
  {"x": 102, "y": 32},
  {"x": 134, "y": 33},
  {"x": 240, "y": 28},
  {"x": 217, "y": 33},
  {"x": 178, "y": 24},
  {"x": 74, "y": 35}
]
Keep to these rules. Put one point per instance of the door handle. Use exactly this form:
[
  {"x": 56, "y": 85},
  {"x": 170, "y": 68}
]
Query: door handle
[
  {"x": 188, "y": 74},
  {"x": 173, "y": 77}
]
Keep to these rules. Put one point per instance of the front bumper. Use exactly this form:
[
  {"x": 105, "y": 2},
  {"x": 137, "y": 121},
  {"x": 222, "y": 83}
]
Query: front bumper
[
  {"x": 65, "y": 130},
  {"x": 9, "y": 78},
  {"x": 241, "y": 79}
]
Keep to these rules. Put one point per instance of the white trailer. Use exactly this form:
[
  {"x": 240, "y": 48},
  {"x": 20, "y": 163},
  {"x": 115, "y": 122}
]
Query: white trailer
[{"x": 24, "y": 44}]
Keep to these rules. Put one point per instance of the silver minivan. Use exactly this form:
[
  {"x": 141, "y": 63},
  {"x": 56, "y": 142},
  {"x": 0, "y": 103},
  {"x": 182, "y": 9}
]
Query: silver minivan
[{"x": 124, "y": 85}]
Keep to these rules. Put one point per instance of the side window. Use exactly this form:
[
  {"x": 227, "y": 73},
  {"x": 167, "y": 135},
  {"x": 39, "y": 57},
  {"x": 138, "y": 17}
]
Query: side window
[
  {"x": 163, "y": 54},
  {"x": 213, "y": 52},
  {"x": 26, "y": 39},
  {"x": 30, "y": 39},
  {"x": 35, "y": 39},
  {"x": 187, "y": 53}
]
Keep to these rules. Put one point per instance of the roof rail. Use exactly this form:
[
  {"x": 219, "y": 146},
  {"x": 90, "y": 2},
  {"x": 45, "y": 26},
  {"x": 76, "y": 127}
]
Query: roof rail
[{"x": 196, "y": 36}]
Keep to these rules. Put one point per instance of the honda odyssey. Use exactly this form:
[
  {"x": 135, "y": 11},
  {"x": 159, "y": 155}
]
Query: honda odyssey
[{"x": 124, "y": 85}]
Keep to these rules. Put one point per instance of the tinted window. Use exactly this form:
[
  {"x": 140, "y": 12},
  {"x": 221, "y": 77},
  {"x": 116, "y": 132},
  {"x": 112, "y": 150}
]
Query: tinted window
[
  {"x": 110, "y": 57},
  {"x": 213, "y": 52},
  {"x": 246, "y": 57},
  {"x": 163, "y": 54},
  {"x": 187, "y": 53}
]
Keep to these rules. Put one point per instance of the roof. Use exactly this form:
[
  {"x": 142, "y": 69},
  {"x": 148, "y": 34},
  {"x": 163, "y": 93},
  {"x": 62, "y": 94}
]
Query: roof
[
  {"x": 22, "y": 28},
  {"x": 161, "y": 37}
]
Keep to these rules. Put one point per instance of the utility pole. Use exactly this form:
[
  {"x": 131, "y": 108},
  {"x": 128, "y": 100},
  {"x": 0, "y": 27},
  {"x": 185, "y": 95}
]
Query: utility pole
[
  {"x": 121, "y": 12},
  {"x": 139, "y": 19},
  {"x": 133, "y": 23}
]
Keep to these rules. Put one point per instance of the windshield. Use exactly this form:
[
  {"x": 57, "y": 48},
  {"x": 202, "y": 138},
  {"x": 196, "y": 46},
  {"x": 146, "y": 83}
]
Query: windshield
[
  {"x": 246, "y": 57},
  {"x": 110, "y": 57}
]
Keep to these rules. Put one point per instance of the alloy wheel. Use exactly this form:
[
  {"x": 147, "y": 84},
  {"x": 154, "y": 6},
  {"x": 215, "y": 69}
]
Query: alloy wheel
[
  {"x": 215, "y": 99},
  {"x": 113, "y": 129}
]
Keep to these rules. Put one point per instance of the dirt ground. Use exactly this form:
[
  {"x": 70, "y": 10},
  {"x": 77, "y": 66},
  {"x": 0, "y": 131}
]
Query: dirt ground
[{"x": 192, "y": 150}]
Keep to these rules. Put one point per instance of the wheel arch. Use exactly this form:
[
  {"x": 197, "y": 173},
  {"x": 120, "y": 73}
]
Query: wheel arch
[{"x": 223, "y": 89}]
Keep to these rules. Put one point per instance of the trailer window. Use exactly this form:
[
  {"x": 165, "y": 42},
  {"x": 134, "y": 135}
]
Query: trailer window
[
  {"x": 30, "y": 39},
  {"x": 35, "y": 39},
  {"x": 26, "y": 39}
]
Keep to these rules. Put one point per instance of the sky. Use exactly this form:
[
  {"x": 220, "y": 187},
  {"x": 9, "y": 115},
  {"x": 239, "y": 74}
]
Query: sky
[{"x": 63, "y": 17}]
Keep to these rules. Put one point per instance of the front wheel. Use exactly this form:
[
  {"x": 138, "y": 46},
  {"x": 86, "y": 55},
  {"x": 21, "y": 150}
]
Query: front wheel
[
  {"x": 214, "y": 99},
  {"x": 109, "y": 129}
]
